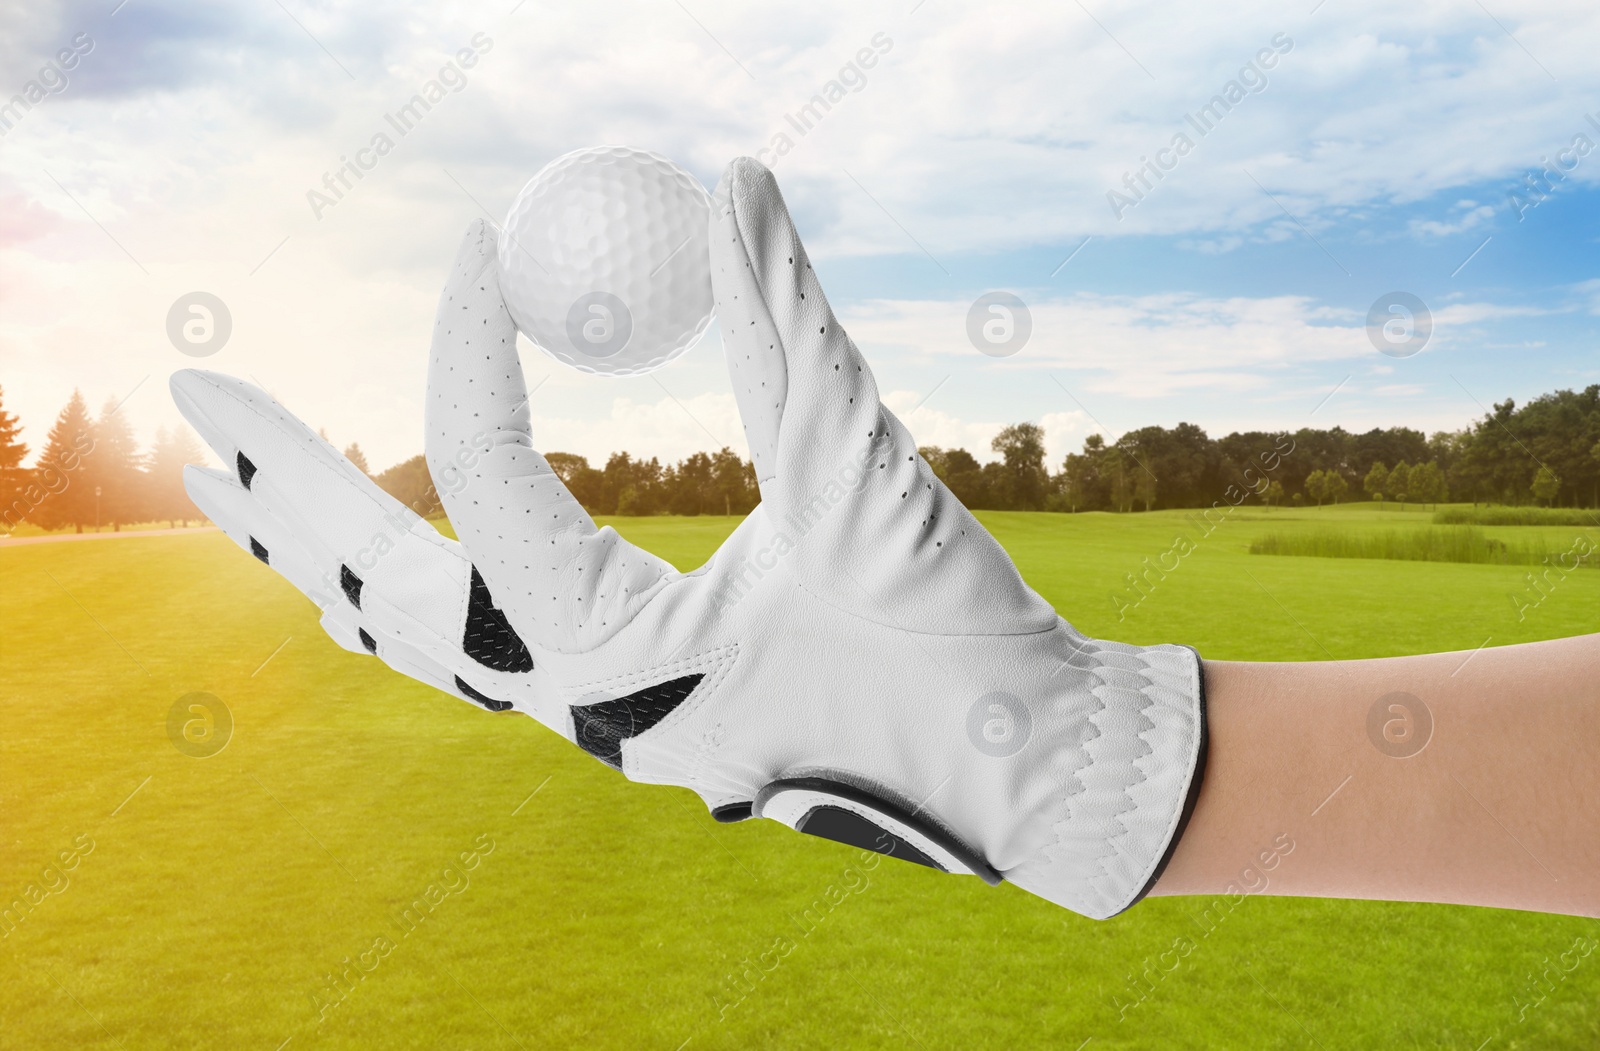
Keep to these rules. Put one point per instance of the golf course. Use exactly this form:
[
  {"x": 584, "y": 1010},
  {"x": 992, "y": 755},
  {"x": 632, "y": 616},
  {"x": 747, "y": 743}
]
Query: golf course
[{"x": 368, "y": 863}]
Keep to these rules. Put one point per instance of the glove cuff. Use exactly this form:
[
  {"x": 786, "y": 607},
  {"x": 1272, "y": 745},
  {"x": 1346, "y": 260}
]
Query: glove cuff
[{"x": 1116, "y": 821}]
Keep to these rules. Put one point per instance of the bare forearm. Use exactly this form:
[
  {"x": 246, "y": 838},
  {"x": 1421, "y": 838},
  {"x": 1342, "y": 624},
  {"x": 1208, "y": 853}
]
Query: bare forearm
[{"x": 1494, "y": 804}]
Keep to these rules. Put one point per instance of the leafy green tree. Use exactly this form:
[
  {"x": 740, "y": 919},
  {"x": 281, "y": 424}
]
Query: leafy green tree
[
  {"x": 1187, "y": 462},
  {"x": 1274, "y": 493},
  {"x": 1115, "y": 467},
  {"x": 691, "y": 486},
  {"x": 1427, "y": 483},
  {"x": 961, "y": 473},
  {"x": 636, "y": 485},
  {"x": 1317, "y": 486},
  {"x": 1384, "y": 446},
  {"x": 1076, "y": 481},
  {"x": 734, "y": 482},
  {"x": 1377, "y": 482},
  {"x": 1399, "y": 485},
  {"x": 1334, "y": 486},
  {"x": 410, "y": 483},
  {"x": 586, "y": 484},
  {"x": 1546, "y": 485},
  {"x": 1594, "y": 490},
  {"x": 1144, "y": 487},
  {"x": 1021, "y": 447},
  {"x": 1502, "y": 453}
]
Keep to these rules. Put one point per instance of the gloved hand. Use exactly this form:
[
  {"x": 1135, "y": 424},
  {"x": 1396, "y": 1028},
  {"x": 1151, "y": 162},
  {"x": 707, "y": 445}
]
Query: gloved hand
[{"x": 860, "y": 660}]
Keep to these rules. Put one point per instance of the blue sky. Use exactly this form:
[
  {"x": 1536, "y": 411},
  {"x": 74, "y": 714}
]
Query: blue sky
[{"x": 1377, "y": 154}]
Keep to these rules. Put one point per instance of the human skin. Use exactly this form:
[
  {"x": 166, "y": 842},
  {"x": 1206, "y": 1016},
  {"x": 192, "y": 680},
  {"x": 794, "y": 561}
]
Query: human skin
[{"x": 1498, "y": 808}]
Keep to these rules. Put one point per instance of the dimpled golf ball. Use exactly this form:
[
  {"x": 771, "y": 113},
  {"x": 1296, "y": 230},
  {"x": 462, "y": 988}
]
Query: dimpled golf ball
[{"x": 605, "y": 260}]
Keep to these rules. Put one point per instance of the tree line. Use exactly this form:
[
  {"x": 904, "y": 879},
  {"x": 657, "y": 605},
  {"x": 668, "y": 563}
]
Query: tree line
[
  {"x": 702, "y": 484},
  {"x": 1545, "y": 452},
  {"x": 91, "y": 472}
]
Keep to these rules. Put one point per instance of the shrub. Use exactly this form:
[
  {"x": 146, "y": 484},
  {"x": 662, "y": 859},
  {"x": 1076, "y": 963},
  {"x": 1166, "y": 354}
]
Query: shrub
[
  {"x": 1458, "y": 544},
  {"x": 1513, "y": 516}
]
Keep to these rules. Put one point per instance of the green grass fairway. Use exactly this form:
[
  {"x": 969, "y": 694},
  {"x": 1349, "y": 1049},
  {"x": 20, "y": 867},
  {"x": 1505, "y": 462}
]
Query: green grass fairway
[{"x": 219, "y": 893}]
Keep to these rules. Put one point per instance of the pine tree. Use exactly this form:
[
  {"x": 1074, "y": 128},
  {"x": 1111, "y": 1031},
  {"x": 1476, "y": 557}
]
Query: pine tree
[
  {"x": 115, "y": 468},
  {"x": 13, "y": 479},
  {"x": 734, "y": 482},
  {"x": 61, "y": 473},
  {"x": 168, "y": 502},
  {"x": 354, "y": 454}
]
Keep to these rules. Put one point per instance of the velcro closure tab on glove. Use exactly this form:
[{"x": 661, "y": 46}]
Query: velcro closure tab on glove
[{"x": 845, "y": 813}]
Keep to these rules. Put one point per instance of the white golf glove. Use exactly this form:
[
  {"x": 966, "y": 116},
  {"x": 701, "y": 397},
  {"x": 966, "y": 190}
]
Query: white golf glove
[{"x": 860, "y": 660}]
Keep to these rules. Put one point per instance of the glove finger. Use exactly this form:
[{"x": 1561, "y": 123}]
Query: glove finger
[
  {"x": 255, "y": 434},
  {"x": 342, "y": 628},
  {"x": 364, "y": 548},
  {"x": 565, "y": 585},
  {"x": 236, "y": 512},
  {"x": 359, "y": 539},
  {"x": 341, "y": 623},
  {"x": 430, "y": 660},
  {"x": 879, "y": 533},
  {"x": 805, "y": 393}
]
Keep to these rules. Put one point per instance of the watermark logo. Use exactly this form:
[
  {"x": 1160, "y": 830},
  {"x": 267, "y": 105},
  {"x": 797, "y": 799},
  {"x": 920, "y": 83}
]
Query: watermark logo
[
  {"x": 199, "y": 725},
  {"x": 600, "y": 725},
  {"x": 1399, "y": 725},
  {"x": 1399, "y": 324},
  {"x": 199, "y": 324},
  {"x": 999, "y": 724},
  {"x": 599, "y": 324},
  {"x": 999, "y": 324}
]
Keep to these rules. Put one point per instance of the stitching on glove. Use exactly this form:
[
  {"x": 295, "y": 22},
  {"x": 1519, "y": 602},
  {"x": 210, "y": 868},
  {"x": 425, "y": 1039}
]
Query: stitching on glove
[
  {"x": 1124, "y": 792},
  {"x": 1180, "y": 820},
  {"x": 709, "y": 660},
  {"x": 1090, "y": 887}
]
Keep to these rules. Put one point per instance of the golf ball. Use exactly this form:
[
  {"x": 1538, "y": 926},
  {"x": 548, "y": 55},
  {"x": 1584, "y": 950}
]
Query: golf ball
[{"x": 605, "y": 260}]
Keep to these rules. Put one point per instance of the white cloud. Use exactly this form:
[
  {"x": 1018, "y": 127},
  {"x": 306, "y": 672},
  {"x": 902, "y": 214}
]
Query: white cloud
[
  {"x": 185, "y": 146},
  {"x": 1138, "y": 346},
  {"x": 1468, "y": 216}
]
